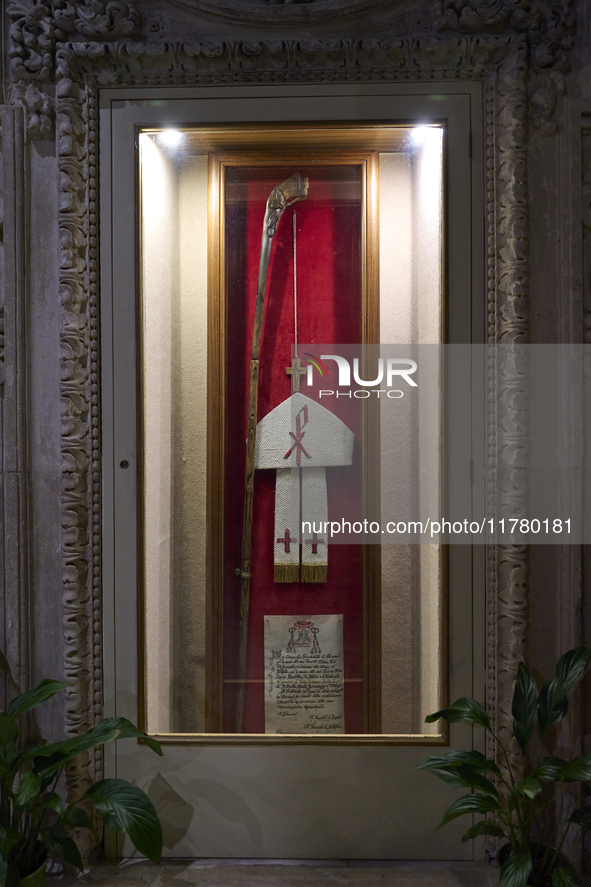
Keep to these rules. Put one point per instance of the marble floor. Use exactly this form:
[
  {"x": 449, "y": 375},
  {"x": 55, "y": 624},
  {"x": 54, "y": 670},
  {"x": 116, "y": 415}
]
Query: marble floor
[
  {"x": 284, "y": 873},
  {"x": 251, "y": 873}
]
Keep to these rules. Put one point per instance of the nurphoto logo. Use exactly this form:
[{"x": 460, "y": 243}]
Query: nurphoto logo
[{"x": 388, "y": 370}]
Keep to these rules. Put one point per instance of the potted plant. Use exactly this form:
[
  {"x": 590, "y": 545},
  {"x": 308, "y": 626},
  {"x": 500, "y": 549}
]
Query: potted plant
[
  {"x": 33, "y": 817},
  {"x": 518, "y": 796}
]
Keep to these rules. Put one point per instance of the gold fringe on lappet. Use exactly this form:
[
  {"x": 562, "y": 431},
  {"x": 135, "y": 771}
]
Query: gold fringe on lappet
[
  {"x": 286, "y": 573},
  {"x": 314, "y": 572}
]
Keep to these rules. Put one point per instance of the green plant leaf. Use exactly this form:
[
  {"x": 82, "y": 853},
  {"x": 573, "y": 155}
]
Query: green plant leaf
[
  {"x": 463, "y": 768},
  {"x": 578, "y": 768},
  {"x": 551, "y": 768},
  {"x": 48, "y": 759},
  {"x": 565, "y": 875},
  {"x": 524, "y": 707},
  {"x": 582, "y": 816},
  {"x": 516, "y": 869},
  {"x": 552, "y": 703},
  {"x": 570, "y": 668},
  {"x": 3, "y": 871},
  {"x": 52, "y": 801},
  {"x": 464, "y": 709},
  {"x": 530, "y": 787},
  {"x": 97, "y": 735},
  {"x": 469, "y": 804},
  {"x": 46, "y": 689},
  {"x": 57, "y": 840},
  {"x": 462, "y": 777},
  {"x": 78, "y": 818},
  {"x": 486, "y": 827},
  {"x": 125, "y": 807},
  {"x": 9, "y": 838},
  {"x": 8, "y": 730},
  {"x": 28, "y": 788},
  {"x": 458, "y": 757},
  {"x": 8, "y": 742},
  {"x": 128, "y": 730}
]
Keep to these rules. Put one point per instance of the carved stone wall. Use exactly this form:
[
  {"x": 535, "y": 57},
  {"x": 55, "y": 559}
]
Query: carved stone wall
[{"x": 60, "y": 53}]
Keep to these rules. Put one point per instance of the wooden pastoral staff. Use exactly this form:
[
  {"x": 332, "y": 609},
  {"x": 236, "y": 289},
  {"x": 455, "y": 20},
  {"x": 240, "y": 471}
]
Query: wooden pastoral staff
[
  {"x": 293, "y": 189},
  {"x": 298, "y": 439}
]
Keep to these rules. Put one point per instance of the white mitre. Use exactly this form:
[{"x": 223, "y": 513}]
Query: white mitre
[{"x": 300, "y": 438}]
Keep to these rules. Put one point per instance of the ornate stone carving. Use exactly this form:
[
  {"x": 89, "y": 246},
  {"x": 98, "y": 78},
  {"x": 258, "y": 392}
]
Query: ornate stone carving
[
  {"x": 156, "y": 24},
  {"x": 512, "y": 212},
  {"x": 542, "y": 21},
  {"x": 76, "y": 141},
  {"x": 38, "y": 28},
  {"x": 549, "y": 31},
  {"x": 32, "y": 38},
  {"x": 41, "y": 27},
  {"x": 95, "y": 18},
  {"x": 38, "y": 108},
  {"x": 211, "y": 62},
  {"x": 508, "y": 291}
]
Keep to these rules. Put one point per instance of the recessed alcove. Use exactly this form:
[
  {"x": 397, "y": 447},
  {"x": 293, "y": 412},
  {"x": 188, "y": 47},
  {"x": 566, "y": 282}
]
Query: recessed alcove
[{"x": 78, "y": 88}]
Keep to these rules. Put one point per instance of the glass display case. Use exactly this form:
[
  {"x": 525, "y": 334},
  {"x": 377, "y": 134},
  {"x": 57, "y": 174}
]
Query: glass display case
[{"x": 302, "y": 637}]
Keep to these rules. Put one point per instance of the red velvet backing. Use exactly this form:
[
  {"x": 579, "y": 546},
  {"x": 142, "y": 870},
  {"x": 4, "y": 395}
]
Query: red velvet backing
[{"x": 329, "y": 310}]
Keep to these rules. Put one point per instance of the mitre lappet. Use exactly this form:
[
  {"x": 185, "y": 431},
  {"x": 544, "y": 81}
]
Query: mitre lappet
[{"x": 300, "y": 439}]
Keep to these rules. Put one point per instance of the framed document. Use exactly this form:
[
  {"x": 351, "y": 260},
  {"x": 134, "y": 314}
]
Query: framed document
[{"x": 304, "y": 675}]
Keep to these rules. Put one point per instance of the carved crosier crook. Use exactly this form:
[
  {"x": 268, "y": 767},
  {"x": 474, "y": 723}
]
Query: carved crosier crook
[{"x": 282, "y": 196}]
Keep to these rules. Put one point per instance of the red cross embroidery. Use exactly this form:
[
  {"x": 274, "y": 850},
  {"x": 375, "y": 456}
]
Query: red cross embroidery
[
  {"x": 298, "y": 437},
  {"x": 315, "y": 541},
  {"x": 287, "y": 540}
]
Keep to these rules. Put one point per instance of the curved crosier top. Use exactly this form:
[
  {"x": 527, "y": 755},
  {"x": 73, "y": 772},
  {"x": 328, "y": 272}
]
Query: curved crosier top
[{"x": 293, "y": 189}]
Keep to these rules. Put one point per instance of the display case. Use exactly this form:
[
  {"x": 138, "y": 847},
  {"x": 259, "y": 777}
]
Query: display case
[{"x": 300, "y": 639}]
